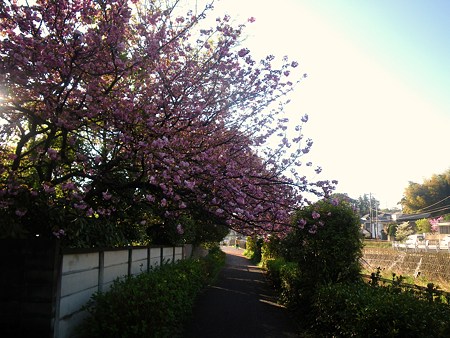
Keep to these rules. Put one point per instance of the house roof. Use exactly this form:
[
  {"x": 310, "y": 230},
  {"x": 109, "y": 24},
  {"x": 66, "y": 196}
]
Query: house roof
[
  {"x": 412, "y": 217},
  {"x": 381, "y": 216}
]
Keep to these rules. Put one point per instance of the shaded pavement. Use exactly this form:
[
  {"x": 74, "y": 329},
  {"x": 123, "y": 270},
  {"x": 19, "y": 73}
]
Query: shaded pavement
[{"x": 240, "y": 304}]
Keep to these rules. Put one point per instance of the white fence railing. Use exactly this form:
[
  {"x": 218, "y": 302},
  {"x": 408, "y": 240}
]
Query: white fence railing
[{"x": 421, "y": 246}]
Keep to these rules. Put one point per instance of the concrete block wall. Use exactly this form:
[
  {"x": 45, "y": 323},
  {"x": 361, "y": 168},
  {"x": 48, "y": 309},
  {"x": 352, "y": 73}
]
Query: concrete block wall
[
  {"x": 178, "y": 253},
  {"x": 79, "y": 281},
  {"x": 84, "y": 273},
  {"x": 139, "y": 261},
  {"x": 43, "y": 288}
]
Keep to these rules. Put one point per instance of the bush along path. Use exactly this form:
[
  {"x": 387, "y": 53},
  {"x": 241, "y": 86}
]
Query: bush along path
[
  {"x": 154, "y": 304},
  {"x": 239, "y": 304}
]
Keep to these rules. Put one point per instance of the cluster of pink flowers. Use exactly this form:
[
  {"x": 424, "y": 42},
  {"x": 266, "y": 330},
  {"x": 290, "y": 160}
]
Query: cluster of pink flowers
[
  {"x": 135, "y": 104},
  {"x": 59, "y": 233},
  {"x": 434, "y": 223},
  {"x": 180, "y": 229},
  {"x": 317, "y": 217}
]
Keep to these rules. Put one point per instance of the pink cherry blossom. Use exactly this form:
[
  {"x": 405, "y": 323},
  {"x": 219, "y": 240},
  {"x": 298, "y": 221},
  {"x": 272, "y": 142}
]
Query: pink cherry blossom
[
  {"x": 315, "y": 215},
  {"x": 20, "y": 212},
  {"x": 301, "y": 223},
  {"x": 114, "y": 112},
  {"x": 243, "y": 52},
  {"x": 106, "y": 195},
  {"x": 59, "y": 233},
  {"x": 180, "y": 229}
]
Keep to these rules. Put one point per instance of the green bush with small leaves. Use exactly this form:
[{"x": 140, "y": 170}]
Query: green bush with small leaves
[
  {"x": 213, "y": 263},
  {"x": 253, "y": 248},
  {"x": 285, "y": 277},
  {"x": 362, "y": 310},
  {"x": 273, "y": 268},
  {"x": 272, "y": 248},
  {"x": 325, "y": 246},
  {"x": 326, "y": 242},
  {"x": 153, "y": 304}
]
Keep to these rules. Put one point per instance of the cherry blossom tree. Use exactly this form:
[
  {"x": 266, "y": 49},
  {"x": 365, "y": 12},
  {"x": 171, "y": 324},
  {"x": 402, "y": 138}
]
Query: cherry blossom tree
[{"x": 122, "y": 117}]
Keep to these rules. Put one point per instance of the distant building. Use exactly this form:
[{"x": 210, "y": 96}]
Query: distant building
[
  {"x": 444, "y": 227},
  {"x": 378, "y": 225},
  {"x": 234, "y": 237}
]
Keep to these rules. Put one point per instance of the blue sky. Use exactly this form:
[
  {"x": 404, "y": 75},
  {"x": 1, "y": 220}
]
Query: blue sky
[
  {"x": 409, "y": 37},
  {"x": 377, "y": 86}
]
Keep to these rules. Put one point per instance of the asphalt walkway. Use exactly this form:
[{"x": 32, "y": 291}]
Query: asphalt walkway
[{"x": 240, "y": 304}]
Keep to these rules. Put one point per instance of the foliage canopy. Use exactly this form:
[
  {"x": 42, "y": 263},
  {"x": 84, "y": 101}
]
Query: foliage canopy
[
  {"x": 433, "y": 195},
  {"x": 123, "y": 119}
]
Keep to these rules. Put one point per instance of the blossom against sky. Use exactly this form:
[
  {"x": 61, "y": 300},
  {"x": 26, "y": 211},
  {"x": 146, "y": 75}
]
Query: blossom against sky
[
  {"x": 376, "y": 91},
  {"x": 377, "y": 86}
]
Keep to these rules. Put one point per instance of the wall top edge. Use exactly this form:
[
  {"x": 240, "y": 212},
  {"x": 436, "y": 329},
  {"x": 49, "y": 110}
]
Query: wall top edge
[{"x": 131, "y": 247}]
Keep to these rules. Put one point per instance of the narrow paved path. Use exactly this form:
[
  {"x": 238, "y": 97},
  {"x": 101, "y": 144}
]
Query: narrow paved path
[{"x": 241, "y": 304}]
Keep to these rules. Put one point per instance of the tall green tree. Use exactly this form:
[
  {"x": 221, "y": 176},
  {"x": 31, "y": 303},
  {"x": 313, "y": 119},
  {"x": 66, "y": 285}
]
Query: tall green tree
[
  {"x": 433, "y": 195},
  {"x": 365, "y": 203}
]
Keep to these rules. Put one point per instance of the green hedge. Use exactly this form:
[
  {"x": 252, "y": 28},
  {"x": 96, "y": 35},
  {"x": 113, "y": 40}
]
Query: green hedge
[
  {"x": 358, "y": 309},
  {"x": 154, "y": 304},
  {"x": 286, "y": 279},
  {"x": 253, "y": 248},
  {"x": 361, "y": 310}
]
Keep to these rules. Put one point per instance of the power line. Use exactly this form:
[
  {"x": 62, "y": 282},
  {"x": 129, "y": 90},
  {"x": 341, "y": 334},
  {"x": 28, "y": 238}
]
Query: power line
[
  {"x": 438, "y": 209},
  {"x": 422, "y": 210},
  {"x": 433, "y": 204},
  {"x": 445, "y": 207}
]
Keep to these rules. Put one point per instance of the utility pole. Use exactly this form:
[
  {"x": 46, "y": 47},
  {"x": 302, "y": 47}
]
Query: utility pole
[
  {"x": 370, "y": 213},
  {"x": 376, "y": 221}
]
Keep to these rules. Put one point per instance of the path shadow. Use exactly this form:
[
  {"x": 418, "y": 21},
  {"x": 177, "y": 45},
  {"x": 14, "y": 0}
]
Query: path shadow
[{"x": 239, "y": 304}]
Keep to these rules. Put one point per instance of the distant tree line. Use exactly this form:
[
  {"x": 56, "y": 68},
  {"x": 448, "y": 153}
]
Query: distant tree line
[{"x": 432, "y": 196}]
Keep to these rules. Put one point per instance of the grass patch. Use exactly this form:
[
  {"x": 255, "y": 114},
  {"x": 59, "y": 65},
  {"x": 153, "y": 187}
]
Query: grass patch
[{"x": 371, "y": 243}]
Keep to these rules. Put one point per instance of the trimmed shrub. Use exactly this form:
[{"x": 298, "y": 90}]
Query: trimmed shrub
[
  {"x": 253, "y": 248},
  {"x": 154, "y": 304},
  {"x": 361, "y": 310},
  {"x": 213, "y": 263},
  {"x": 272, "y": 248},
  {"x": 326, "y": 243},
  {"x": 273, "y": 268},
  {"x": 285, "y": 277},
  {"x": 292, "y": 292}
]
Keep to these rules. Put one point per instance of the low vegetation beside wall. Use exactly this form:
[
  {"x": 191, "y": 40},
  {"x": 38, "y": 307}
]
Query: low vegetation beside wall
[
  {"x": 44, "y": 287},
  {"x": 155, "y": 304}
]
